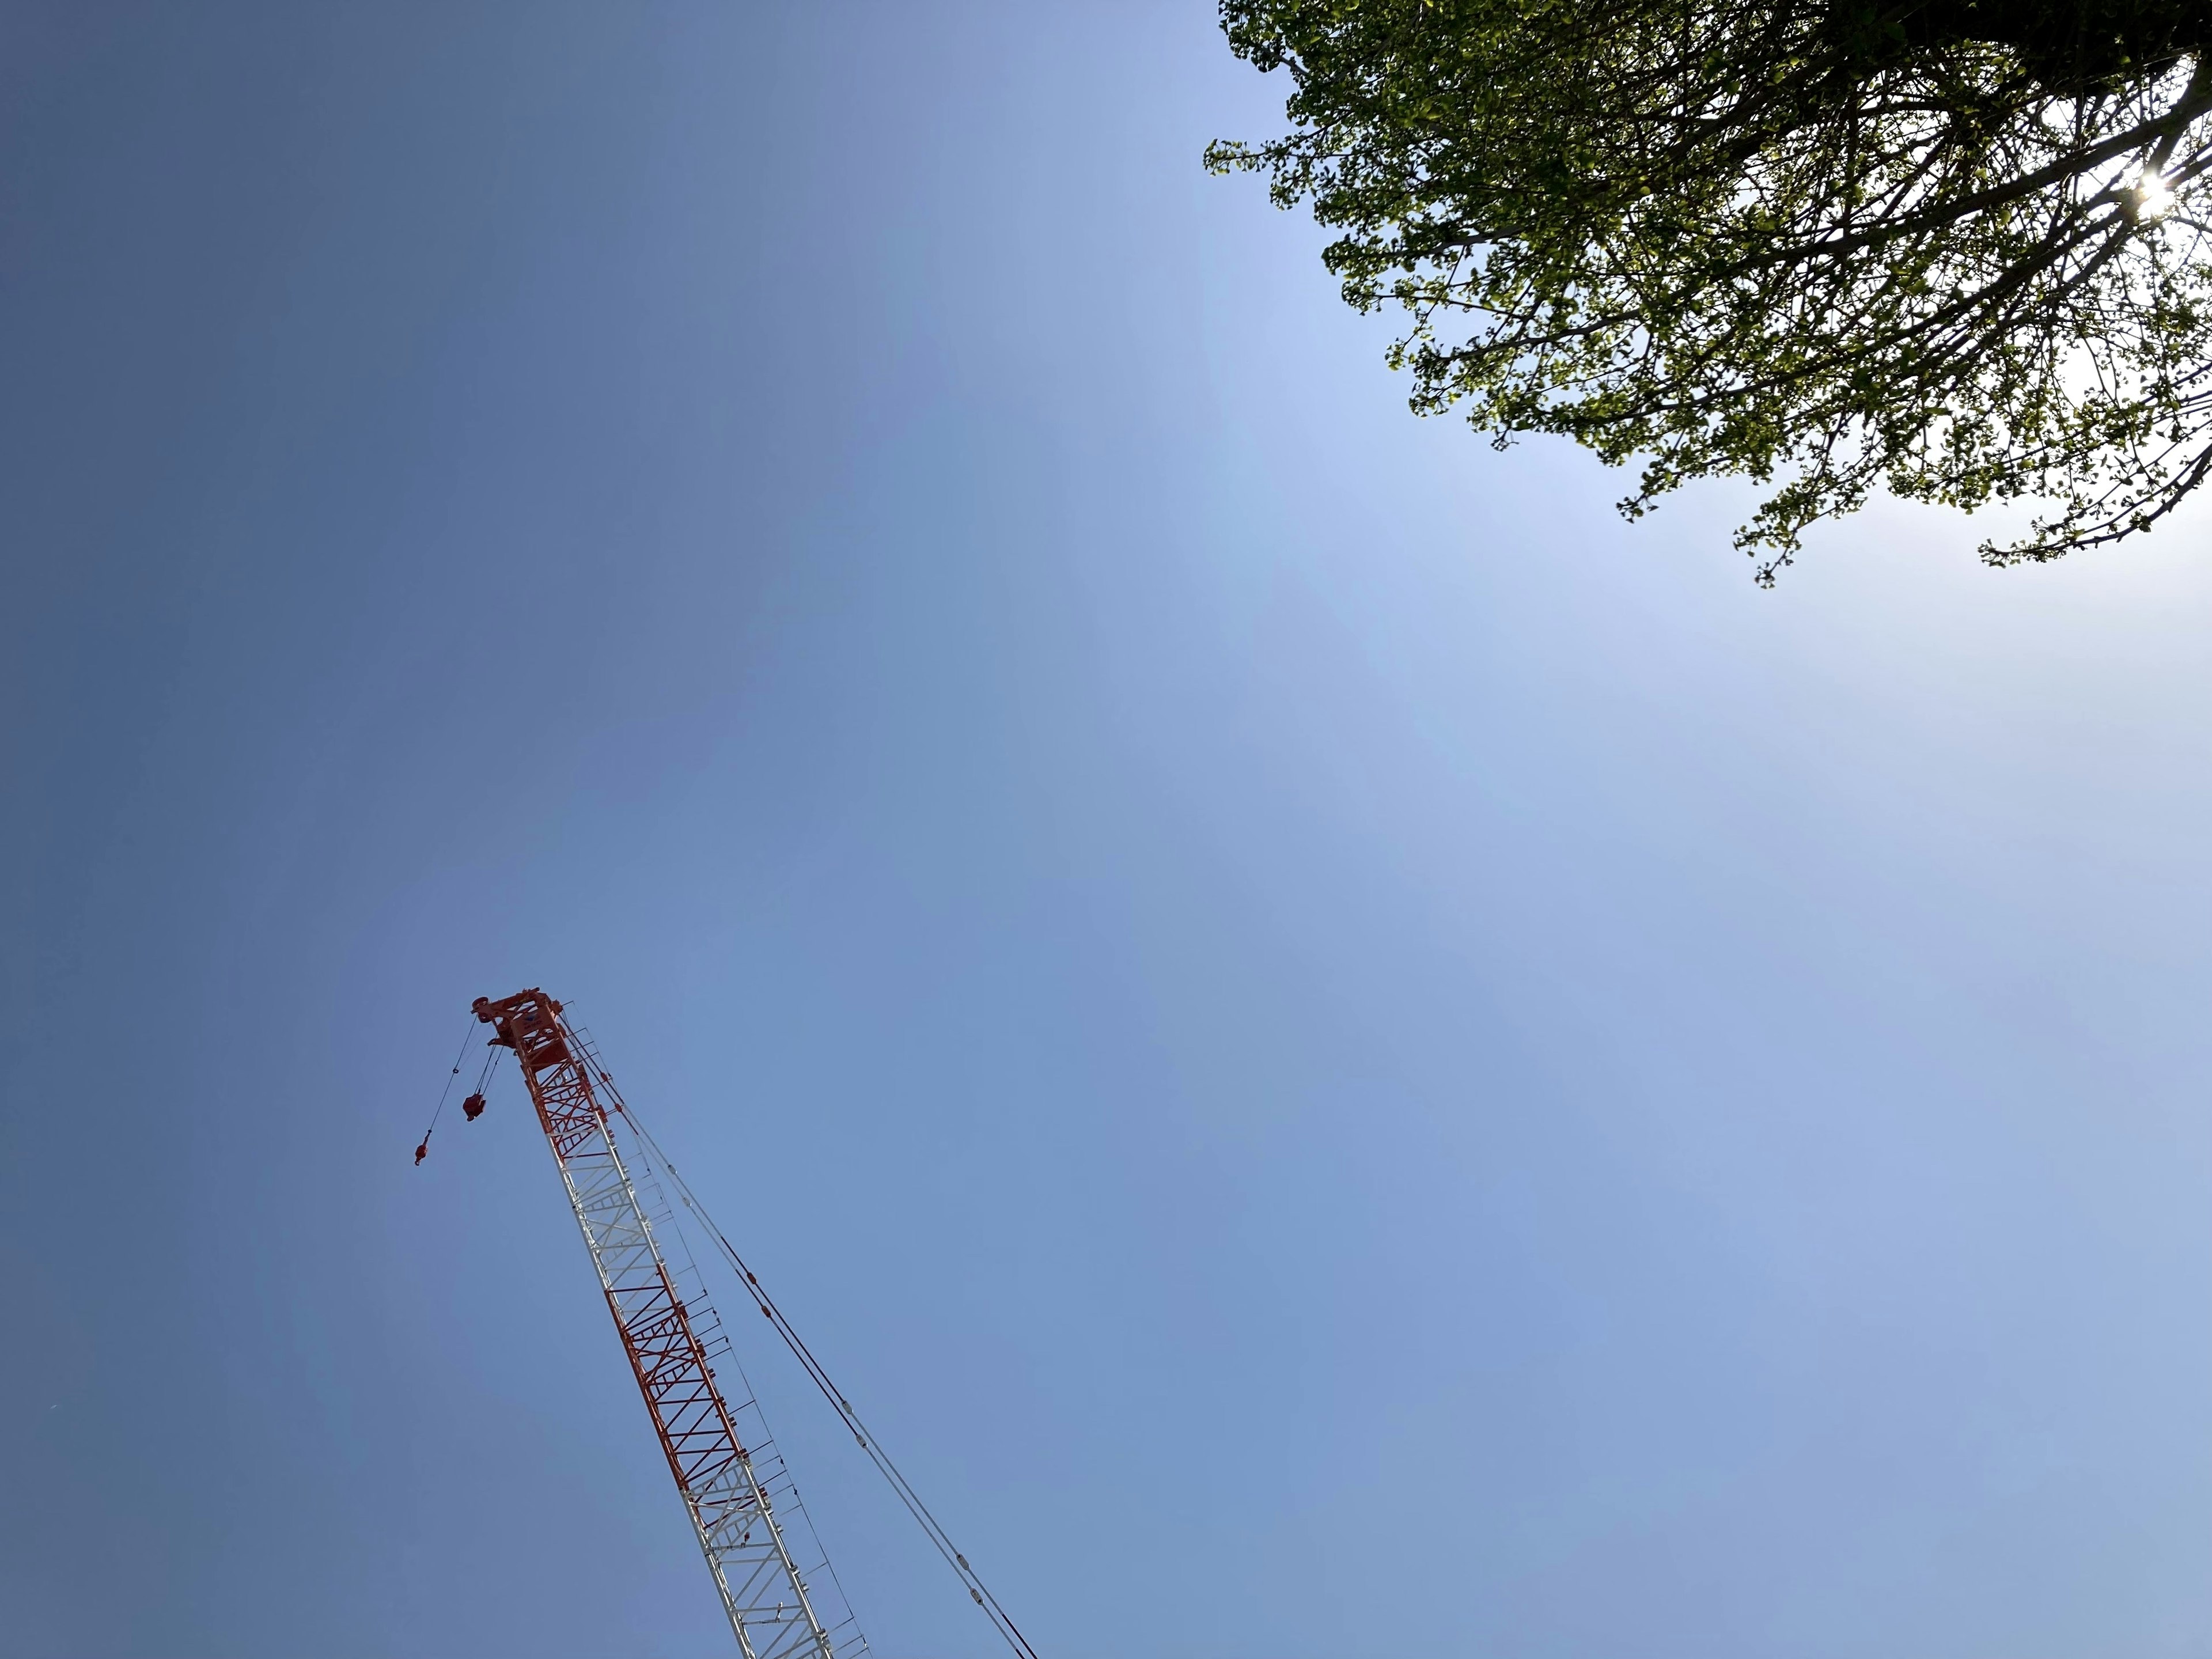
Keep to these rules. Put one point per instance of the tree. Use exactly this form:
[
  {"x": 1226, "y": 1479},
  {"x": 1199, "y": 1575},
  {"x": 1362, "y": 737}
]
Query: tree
[{"x": 1946, "y": 246}]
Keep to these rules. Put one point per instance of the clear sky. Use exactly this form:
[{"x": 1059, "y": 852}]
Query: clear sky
[{"x": 1346, "y": 1055}]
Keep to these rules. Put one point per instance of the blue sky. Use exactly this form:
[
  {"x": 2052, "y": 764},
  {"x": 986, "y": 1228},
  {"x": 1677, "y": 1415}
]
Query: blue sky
[{"x": 1344, "y": 1054}]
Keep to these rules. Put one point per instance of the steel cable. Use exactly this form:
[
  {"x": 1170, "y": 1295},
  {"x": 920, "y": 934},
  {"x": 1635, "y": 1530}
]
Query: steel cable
[
  {"x": 977, "y": 1590},
  {"x": 423, "y": 1146}
]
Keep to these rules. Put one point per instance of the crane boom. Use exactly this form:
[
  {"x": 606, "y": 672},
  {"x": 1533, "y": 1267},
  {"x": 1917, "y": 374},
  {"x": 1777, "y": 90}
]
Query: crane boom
[{"x": 730, "y": 1491}]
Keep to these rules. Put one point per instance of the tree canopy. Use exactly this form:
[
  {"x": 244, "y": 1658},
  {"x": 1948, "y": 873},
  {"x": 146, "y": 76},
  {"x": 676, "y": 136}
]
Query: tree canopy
[{"x": 1948, "y": 247}]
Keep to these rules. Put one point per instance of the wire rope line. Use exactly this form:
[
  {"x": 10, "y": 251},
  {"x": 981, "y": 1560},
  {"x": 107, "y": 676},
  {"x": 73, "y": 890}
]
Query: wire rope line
[
  {"x": 977, "y": 1590},
  {"x": 422, "y": 1148}
]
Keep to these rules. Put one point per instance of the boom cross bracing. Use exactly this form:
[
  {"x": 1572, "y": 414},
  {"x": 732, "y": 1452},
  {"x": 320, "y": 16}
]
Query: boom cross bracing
[
  {"x": 783, "y": 1600},
  {"x": 731, "y": 1490}
]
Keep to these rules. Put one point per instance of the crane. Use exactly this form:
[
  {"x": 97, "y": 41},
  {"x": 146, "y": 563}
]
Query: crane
[{"x": 781, "y": 1597}]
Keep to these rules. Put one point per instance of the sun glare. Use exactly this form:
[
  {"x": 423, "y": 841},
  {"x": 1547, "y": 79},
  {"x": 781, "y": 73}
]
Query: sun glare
[{"x": 2153, "y": 197}]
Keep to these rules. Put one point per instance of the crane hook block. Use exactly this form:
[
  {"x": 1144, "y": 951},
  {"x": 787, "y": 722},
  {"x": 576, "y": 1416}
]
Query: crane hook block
[
  {"x": 473, "y": 1107},
  {"x": 424, "y": 1151}
]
